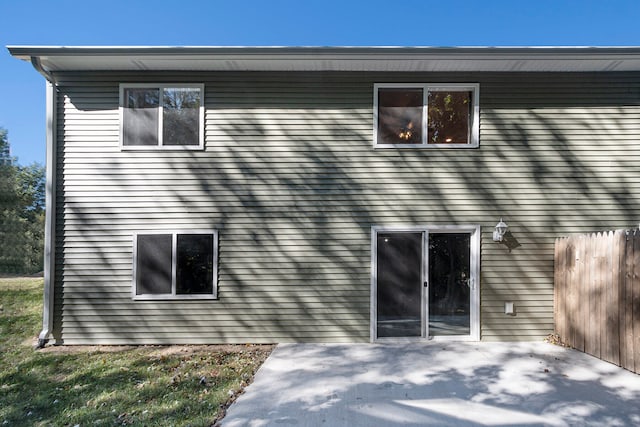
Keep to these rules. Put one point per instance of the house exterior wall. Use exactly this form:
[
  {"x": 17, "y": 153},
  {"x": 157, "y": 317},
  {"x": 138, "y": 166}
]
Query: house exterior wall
[{"x": 292, "y": 182}]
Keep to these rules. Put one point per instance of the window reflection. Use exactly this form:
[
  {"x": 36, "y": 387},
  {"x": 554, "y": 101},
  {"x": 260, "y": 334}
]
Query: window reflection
[
  {"x": 181, "y": 113},
  {"x": 140, "y": 118},
  {"x": 400, "y": 116},
  {"x": 449, "y": 114}
]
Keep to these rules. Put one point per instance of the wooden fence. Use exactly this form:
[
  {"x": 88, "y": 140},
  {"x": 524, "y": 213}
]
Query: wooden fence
[{"x": 597, "y": 295}]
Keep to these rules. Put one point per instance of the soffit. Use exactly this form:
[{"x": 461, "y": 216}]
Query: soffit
[{"x": 383, "y": 59}]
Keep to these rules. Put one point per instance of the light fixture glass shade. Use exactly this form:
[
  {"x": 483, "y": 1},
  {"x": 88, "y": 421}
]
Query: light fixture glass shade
[{"x": 501, "y": 229}]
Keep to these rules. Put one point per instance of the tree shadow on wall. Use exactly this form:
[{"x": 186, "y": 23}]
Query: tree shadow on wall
[{"x": 291, "y": 181}]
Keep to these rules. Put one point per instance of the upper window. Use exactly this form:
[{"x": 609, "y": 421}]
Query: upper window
[
  {"x": 426, "y": 115},
  {"x": 177, "y": 265},
  {"x": 161, "y": 116}
]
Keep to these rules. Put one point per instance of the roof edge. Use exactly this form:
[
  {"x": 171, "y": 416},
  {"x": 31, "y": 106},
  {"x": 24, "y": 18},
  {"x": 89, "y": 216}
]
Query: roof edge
[
  {"x": 23, "y": 52},
  {"x": 54, "y": 59}
]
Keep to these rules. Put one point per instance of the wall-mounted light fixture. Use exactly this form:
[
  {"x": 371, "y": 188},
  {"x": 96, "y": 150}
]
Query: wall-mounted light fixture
[{"x": 501, "y": 229}]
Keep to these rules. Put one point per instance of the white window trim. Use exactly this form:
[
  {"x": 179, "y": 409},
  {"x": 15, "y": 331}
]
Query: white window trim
[
  {"x": 474, "y": 230},
  {"x": 160, "y": 146},
  {"x": 174, "y": 239},
  {"x": 474, "y": 129}
]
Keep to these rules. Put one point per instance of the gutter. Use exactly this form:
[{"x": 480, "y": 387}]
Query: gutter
[
  {"x": 35, "y": 61},
  {"x": 50, "y": 206}
]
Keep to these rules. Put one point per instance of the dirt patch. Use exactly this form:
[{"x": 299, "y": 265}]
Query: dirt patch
[
  {"x": 180, "y": 350},
  {"x": 158, "y": 350},
  {"x": 77, "y": 349}
]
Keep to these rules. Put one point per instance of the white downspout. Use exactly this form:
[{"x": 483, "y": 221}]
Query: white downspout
[{"x": 50, "y": 214}]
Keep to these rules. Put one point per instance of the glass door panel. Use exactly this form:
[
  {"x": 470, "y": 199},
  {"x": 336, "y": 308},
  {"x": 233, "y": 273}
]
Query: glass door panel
[
  {"x": 399, "y": 284},
  {"x": 449, "y": 284}
]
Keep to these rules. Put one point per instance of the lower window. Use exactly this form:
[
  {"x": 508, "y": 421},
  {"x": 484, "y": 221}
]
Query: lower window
[{"x": 177, "y": 265}]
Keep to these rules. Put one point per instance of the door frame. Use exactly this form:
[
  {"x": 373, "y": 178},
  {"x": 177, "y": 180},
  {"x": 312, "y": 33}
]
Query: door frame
[{"x": 474, "y": 273}]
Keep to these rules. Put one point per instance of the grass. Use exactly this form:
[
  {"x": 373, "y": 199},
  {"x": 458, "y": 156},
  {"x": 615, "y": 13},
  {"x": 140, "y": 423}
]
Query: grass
[{"x": 119, "y": 385}]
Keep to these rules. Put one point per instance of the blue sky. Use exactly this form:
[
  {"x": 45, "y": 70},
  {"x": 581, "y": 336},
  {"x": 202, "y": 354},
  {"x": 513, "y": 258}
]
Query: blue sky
[{"x": 284, "y": 23}]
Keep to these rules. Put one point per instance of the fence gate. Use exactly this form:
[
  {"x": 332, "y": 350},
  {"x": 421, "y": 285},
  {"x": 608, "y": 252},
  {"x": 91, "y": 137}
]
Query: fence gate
[{"x": 597, "y": 295}]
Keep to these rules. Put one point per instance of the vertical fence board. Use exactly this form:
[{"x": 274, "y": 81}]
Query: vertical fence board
[
  {"x": 565, "y": 279},
  {"x": 598, "y": 336},
  {"x": 636, "y": 301},
  {"x": 627, "y": 327},
  {"x": 593, "y": 264},
  {"x": 622, "y": 242},
  {"x": 615, "y": 293},
  {"x": 571, "y": 306},
  {"x": 602, "y": 294},
  {"x": 604, "y": 284},
  {"x": 583, "y": 297},
  {"x": 613, "y": 343},
  {"x": 618, "y": 257},
  {"x": 606, "y": 299},
  {"x": 590, "y": 346},
  {"x": 565, "y": 289},
  {"x": 597, "y": 295},
  {"x": 557, "y": 303},
  {"x": 578, "y": 294},
  {"x": 584, "y": 290},
  {"x": 563, "y": 276}
]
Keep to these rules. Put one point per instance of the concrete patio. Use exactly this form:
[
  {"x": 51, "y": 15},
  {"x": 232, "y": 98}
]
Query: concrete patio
[{"x": 436, "y": 384}]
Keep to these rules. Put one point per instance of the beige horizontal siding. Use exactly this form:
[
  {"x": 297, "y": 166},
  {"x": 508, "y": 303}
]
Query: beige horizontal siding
[{"x": 292, "y": 182}]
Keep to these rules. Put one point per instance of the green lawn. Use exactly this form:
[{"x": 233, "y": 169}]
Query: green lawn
[{"x": 148, "y": 385}]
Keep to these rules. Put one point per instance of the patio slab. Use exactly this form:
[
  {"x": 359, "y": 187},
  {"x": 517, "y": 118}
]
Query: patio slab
[{"x": 436, "y": 384}]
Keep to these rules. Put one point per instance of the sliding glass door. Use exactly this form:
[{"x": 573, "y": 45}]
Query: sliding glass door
[{"x": 424, "y": 282}]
